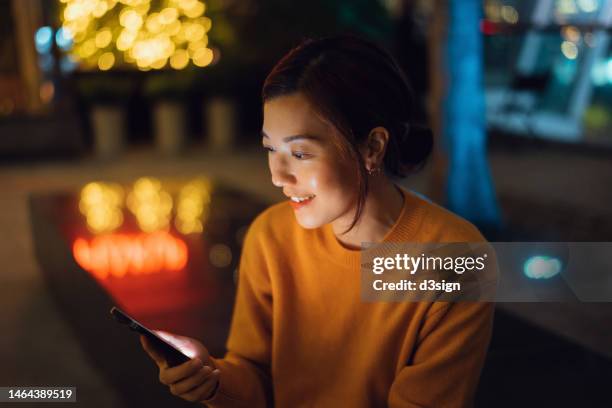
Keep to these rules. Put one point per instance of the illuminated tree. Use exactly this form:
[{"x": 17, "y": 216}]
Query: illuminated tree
[
  {"x": 470, "y": 191},
  {"x": 147, "y": 34}
]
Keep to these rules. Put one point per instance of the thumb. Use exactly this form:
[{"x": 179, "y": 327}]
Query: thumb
[{"x": 159, "y": 359}]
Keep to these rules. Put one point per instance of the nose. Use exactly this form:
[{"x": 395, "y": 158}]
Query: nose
[{"x": 280, "y": 171}]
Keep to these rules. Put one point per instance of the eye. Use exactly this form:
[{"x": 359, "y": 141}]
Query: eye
[
  {"x": 269, "y": 149},
  {"x": 300, "y": 155}
]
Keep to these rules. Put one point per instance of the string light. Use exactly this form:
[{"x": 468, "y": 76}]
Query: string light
[
  {"x": 147, "y": 34},
  {"x": 151, "y": 204},
  {"x": 192, "y": 208},
  {"x": 101, "y": 204}
]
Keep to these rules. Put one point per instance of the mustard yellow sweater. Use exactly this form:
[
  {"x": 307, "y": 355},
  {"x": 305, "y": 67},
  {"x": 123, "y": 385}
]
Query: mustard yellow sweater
[{"x": 301, "y": 336}]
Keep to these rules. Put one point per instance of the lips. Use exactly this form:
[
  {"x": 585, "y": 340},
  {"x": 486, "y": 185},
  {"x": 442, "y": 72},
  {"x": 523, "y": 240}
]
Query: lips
[{"x": 297, "y": 206}]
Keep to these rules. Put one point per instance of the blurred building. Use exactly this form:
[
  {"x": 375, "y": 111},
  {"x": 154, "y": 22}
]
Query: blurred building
[{"x": 549, "y": 69}]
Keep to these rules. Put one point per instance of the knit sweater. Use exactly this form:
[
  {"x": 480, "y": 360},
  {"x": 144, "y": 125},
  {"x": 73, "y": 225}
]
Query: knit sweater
[{"x": 301, "y": 336}]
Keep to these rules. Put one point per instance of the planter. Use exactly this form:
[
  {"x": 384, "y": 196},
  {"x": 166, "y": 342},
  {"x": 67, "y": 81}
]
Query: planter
[
  {"x": 221, "y": 116},
  {"x": 170, "y": 127},
  {"x": 108, "y": 125}
]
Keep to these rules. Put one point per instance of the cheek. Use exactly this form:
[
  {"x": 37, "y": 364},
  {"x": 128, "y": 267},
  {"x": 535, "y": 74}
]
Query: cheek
[
  {"x": 336, "y": 193},
  {"x": 336, "y": 185}
]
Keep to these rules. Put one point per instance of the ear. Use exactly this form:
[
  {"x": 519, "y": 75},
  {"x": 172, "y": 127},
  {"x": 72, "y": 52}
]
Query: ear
[{"x": 374, "y": 148}]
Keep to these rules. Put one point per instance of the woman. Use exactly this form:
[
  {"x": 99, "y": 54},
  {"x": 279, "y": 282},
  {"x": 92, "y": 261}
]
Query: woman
[{"x": 337, "y": 125}]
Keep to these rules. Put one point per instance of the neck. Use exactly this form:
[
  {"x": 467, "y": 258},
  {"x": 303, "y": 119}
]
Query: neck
[{"x": 381, "y": 210}]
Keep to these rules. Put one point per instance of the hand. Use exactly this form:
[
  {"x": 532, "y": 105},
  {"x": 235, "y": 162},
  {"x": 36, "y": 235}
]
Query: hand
[{"x": 195, "y": 380}]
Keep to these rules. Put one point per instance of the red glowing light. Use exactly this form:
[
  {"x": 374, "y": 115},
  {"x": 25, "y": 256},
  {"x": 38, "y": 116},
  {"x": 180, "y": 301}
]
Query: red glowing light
[
  {"x": 137, "y": 254},
  {"x": 488, "y": 27}
]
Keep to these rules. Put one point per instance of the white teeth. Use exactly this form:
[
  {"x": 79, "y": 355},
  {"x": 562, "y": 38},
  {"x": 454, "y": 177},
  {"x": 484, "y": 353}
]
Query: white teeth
[{"x": 300, "y": 199}]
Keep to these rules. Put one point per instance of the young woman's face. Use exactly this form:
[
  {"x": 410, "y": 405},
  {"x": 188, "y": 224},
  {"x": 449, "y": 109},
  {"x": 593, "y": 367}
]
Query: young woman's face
[{"x": 321, "y": 185}]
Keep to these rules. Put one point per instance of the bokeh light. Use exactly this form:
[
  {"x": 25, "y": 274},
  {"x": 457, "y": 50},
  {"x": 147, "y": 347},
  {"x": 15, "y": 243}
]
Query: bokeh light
[
  {"x": 150, "y": 204},
  {"x": 569, "y": 50},
  {"x": 192, "y": 209},
  {"x": 220, "y": 255},
  {"x": 43, "y": 39},
  {"x": 101, "y": 204},
  {"x": 143, "y": 33},
  {"x": 542, "y": 267},
  {"x": 118, "y": 255}
]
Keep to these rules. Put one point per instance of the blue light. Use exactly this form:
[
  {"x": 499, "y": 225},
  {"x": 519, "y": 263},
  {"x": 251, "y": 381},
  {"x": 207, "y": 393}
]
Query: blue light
[
  {"x": 542, "y": 267},
  {"x": 565, "y": 70},
  {"x": 45, "y": 62},
  {"x": 67, "y": 64},
  {"x": 469, "y": 187},
  {"x": 43, "y": 38},
  {"x": 599, "y": 74},
  {"x": 63, "y": 39}
]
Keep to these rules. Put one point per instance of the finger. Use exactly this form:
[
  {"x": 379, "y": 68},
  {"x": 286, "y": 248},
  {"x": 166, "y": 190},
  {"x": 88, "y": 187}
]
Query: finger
[
  {"x": 175, "y": 374},
  {"x": 204, "y": 391},
  {"x": 159, "y": 359},
  {"x": 192, "y": 382}
]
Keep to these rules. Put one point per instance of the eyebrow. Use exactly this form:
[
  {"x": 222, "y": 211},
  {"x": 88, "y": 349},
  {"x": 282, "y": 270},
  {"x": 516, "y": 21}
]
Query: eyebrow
[{"x": 294, "y": 137}]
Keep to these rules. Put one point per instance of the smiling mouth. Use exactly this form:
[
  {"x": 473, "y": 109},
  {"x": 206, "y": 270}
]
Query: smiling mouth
[{"x": 299, "y": 202}]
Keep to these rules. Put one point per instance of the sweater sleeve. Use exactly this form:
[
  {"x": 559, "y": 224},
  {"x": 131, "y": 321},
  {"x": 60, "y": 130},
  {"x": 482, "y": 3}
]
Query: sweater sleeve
[
  {"x": 445, "y": 367},
  {"x": 245, "y": 369}
]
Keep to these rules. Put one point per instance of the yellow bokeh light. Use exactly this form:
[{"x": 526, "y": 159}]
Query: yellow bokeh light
[
  {"x": 88, "y": 48},
  {"x": 168, "y": 15},
  {"x": 100, "y": 9},
  {"x": 130, "y": 19},
  {"x": 189, "y": 227},
  {"x": 174, "y": 28},
  {"x": 104, "y": 38},
  {"x": 125, "y": 40},
  {"x": 151, "y": 204},
  {"x": 179, "y": 59},
  {"x": 75, "y": 11},
  {"x": 509, "y": 14},
  {"x": 193, "y": 206},
  {"x": 101, "y": 204},
  {"x": 159, "y": 64},
  {"x": 153, "y": 23},
  {"x": 206, "y": 23},
  {"x": 148, "y": 34},
  {"x": 194, "y": 46},
  {"x": 569, "y": 49},
  {"x": 142, "y": 8},
  {"x": 184, "y": 4},
  {"x": 194, "y": 32},
  {"x": 106, "y": 61},
  {"x": 195, "y": 11},
  {"x": 203, "y": 57},
  {"x": 79, "y": 36}
]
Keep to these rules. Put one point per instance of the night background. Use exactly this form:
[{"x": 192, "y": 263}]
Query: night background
[{"x": 131, "y": 166}]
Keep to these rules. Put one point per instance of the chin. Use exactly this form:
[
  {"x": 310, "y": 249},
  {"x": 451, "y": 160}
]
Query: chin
[{"x": 308, "y": 222}]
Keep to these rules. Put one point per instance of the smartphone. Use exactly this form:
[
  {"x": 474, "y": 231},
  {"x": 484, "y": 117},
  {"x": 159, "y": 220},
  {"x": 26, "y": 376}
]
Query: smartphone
[{"x": 173, "y": 355}]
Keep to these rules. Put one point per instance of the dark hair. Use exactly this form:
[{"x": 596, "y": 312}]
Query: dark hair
[{"x": 356, "y": 86}]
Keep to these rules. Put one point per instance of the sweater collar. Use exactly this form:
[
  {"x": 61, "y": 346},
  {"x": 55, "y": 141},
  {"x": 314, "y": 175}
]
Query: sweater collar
[{"x": 403, "y": 230}]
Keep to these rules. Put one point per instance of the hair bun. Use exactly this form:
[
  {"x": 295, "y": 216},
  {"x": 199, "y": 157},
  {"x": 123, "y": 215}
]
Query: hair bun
[{"x": 415, "y": 144}]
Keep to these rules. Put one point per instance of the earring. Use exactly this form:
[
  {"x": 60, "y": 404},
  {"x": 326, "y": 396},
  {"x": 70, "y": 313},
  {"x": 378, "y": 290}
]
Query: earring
[{"x": 374, "y": 171}]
